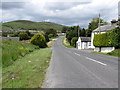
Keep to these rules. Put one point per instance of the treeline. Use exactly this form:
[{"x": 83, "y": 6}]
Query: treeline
[
  {"x": 111, "y": 38},
  {"x": 39, "y": 39},
  {"x": 72, "y": 32}
]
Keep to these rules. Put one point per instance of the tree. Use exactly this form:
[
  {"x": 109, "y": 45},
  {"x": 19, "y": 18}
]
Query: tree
[
  {"x": 39, "y": 40},
  {"x": 73, "y": 41},
  {"x": 23, "y": 36},
  {"x": 51, "y": 31},
  {"x": 64, "y": 29},
  {"x": 88, "y": 32},
  {"x": 47, "y": 38},
  {"x": 94, "y": 23},
  {"x": 83, "y": 32}
]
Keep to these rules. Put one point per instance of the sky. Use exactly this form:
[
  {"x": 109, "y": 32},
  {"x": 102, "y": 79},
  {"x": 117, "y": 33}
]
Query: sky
[{"x": 65, "y": 12}]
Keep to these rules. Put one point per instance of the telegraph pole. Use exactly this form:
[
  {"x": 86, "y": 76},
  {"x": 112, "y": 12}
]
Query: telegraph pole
[
  {"x": 99, "y": 24},
  {"x": 78, "y": 32}
]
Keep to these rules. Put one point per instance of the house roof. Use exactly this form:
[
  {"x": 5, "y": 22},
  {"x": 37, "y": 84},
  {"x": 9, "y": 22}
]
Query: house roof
[
  {"x": 106, "y": 28},
  {"x": 85, "y": 39}
]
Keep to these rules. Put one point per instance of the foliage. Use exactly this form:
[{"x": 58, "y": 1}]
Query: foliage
[
  {"x": 73, "y": 41},
  {"x": 94, "y": 23},
  {"x": 111, "y": 38},
  {"x": 47, "y": 38},
  {"x": 66, "y": 43},
  {"x": 39, "y": 40},
  {"x": 23, "y": 36},
  {"x": 50, "y": 35},
  {"x": 29, "y": 25},
  {"x": 64, "y": 29},
  {"x": 12, "y": 50},
  {"x": 115, "y": 34},
  {"x": 27, "y": 72},
  {"x": 51, "y": 31}
]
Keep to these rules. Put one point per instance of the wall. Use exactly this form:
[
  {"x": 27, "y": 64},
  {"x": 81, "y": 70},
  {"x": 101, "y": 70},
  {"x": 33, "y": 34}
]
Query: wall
[{"x": 104, "y": 49}]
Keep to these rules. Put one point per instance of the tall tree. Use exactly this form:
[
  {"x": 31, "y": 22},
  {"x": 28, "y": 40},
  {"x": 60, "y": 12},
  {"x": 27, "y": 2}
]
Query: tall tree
[{"x": 94, "y": 23}]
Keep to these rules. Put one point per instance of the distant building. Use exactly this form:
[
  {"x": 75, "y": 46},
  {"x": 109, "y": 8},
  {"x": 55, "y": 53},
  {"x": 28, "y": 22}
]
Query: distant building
[{"x": 84, "y": 43}]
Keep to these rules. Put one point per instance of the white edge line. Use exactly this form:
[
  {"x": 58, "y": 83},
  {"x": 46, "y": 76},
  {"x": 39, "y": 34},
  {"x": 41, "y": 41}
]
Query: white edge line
[{"x": 96, "y": 61}]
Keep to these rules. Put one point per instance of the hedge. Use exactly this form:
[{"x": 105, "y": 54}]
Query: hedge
[{"x": 111, "y": 38}]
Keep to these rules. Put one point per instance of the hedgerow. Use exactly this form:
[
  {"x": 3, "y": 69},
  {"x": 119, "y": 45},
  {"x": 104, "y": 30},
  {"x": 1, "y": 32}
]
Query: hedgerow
[{"x": 111, "y": 38}]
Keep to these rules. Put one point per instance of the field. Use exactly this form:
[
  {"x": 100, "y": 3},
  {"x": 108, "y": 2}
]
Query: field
[
  {"x": 30, "y": 25},
  {"x": 66, "y": 43},
  {"x": 13, "y": 50},
  {"x": 27, "y": 72}
]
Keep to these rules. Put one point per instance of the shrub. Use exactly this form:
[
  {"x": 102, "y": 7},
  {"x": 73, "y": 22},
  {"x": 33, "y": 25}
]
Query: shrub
[
  {"x": 39, "y": 40},
  {"x": 50, "y": 35},
  {"x": 47, "y": 38},
  {"x": 73, "y": 41},
  {"x": 23, "y": 36}
]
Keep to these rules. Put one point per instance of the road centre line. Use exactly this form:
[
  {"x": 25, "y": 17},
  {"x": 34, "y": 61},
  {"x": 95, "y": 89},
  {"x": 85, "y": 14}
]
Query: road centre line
[
  {"x": 96, "y": 61},
  {"x": 77, "y": 54}
]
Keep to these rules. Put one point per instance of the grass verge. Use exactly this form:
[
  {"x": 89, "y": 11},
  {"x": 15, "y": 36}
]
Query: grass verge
[
  {"x": 12, "y": 50},
  {"x": 27, "y": 72},
  {"x": 116, "y": 53},
  {"x": 66, "y": 43},
  {"x": 50, "y": 43}
]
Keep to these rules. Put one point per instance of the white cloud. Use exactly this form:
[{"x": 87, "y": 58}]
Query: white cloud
[{"x": 63, "y": 12}]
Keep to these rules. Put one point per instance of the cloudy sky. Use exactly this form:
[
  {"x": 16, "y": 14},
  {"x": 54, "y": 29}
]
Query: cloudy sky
[{"x": 65, "y": 12}]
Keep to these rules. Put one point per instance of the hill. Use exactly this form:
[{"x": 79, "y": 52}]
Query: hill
[{"x": 30, "y": 25}]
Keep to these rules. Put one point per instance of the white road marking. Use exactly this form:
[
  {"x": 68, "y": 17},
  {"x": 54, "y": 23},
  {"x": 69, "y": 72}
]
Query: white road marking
[
  {"x": 96, "y": 61},
  {"x": 77, "y": 54}
]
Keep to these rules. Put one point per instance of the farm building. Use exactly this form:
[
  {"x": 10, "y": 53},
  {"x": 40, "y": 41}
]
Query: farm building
[{"x": 84, "y": 43}]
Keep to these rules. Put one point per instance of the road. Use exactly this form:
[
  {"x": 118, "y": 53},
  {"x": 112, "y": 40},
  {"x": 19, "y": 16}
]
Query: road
[{"x": 72, "y": 68}]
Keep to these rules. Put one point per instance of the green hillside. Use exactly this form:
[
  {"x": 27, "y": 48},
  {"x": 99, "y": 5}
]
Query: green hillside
[{"x": 30, "y": 25}]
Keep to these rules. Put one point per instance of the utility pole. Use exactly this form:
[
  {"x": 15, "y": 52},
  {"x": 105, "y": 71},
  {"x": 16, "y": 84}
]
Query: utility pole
[
  {"x": 99, "y": 24},
  {"x": 78, "y": 32}
]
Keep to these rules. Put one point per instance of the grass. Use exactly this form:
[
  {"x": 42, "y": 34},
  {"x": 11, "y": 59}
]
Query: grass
[
  {"x": 27, "y": 72},
  {"x": 52, "y": 40},
  {"x": 66, "y": 43},
  {"x": 116, "y": 53},
  {"x": 12, "y": 50},
  {"x": 0, "y": 63},
  {"x": 30, "y": 25}
]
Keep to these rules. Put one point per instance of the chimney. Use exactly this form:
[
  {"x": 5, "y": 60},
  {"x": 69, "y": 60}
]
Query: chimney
[{"x": 113, "y": 22}]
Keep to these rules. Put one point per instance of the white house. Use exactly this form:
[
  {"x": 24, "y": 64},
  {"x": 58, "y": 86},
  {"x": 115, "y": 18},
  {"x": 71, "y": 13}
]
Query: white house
[
  {"x": 84, "y": 43},
  {"x": 103, "y": 29}
]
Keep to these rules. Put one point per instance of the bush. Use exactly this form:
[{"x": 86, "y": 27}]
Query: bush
[
  {"x": 50, "y": 35},
  {"x": 23, "y": 36},
  {"x": 47, "y": 38},
  {"x": 39, "y": 40},
  {"x": 73, "y": 41}
]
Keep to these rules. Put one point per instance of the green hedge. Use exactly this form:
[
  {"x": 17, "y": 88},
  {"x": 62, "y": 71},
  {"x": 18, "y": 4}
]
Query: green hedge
[{"x": 111, "y": 38}]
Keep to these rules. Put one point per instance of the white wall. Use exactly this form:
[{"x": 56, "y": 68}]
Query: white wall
[{"x": 104, "y": 49}]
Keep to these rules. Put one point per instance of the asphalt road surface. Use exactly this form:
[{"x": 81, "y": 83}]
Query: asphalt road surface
[{"x": 72, "y": 68}]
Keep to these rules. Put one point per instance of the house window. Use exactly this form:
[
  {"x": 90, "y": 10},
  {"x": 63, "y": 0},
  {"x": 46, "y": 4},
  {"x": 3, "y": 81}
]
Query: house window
[{"x": 89, "y": 43}]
